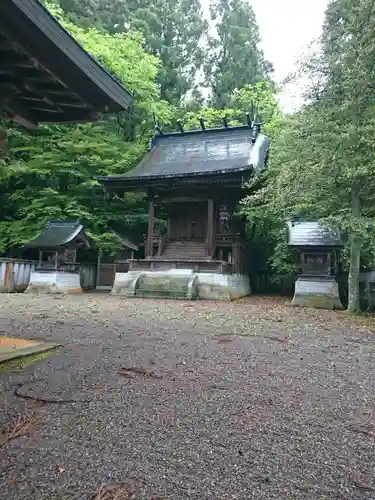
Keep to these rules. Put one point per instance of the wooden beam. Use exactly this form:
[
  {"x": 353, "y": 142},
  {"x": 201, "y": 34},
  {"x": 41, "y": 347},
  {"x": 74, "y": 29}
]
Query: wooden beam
[
  {"x": 43, "y": 77},
  {"x": 10, "y": 59},
  {"x": 7, "y": 45},
  {"x": 150, "y": 233},
  {"x": 66, "y": 120},
  {"x": 71, "y": 100},
  {"x": 210, "y": 227},
  {"x": 183, "y": 199},
  {"x": 19, "y": 113},
  {"x": 77, "y": 104},
  {"x": 8, "y": 89},
  {"x": 169, "y": 227},
  {"x": 42, "y": 94},
  {"x": 44, "y": 109},
  {"x": 26, "y": 63}
]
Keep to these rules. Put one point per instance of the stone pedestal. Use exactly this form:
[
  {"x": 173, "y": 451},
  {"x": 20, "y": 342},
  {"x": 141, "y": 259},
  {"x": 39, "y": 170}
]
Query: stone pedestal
[
  {"x": 55, "y": 282},
  {"x": 317, "y": 292},
  {"x": 181, "y": 284}
]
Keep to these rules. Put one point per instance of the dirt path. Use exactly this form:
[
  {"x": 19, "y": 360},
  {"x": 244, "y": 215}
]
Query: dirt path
[{"x": 184, "y": 400}]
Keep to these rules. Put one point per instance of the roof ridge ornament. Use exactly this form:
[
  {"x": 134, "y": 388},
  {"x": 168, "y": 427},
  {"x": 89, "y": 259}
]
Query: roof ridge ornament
[
  {"x": 180, "y": 125},
  {"x": 156, "y": 124}
]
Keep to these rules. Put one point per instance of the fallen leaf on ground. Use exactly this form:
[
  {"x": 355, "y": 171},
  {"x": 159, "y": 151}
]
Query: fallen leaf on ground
[
  {"x": 368, "y": 430},
  {"x": 113, "y": 493},
  {"x": 21, "y": 426},
  {"x": 249, "y": 419},
  {"x": 128, "y": 371},
  {"x": 363, "y": 487}
]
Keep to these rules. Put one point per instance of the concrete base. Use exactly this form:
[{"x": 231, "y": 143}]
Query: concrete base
[
  {"x": 181, "y": 284},
  {"x": 54, "y": 282},
  {"x": 320, "y": 293},
  {"x": 11, "y": 348}
]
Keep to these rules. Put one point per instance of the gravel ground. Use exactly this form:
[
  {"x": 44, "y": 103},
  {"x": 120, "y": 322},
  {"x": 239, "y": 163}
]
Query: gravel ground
[{"x": 242, "y": 400}]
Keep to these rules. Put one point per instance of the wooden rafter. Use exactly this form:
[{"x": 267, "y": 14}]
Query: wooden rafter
[{"x": 45, "y": 76}]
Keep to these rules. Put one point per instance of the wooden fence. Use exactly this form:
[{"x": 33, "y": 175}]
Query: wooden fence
[{"x": 267, "y": 283}]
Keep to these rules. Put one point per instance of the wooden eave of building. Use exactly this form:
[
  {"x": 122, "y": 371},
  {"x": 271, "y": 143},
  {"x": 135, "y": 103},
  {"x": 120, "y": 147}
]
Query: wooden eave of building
[
  {"x": 233, "y": 178},
  {"x": 45, "y": 75}
]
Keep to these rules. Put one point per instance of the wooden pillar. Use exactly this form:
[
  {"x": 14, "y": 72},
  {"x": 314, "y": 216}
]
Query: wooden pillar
[
  {"x": 210, "y": 227},
  {"x": 234, "y": 258},
  {"x": 150, "y": 234},
  {"x": 100, "y": 252},
  {"x": 169, "y": 227}
]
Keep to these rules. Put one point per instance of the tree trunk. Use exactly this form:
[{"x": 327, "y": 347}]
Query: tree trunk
[{"x": 355, "y": 255}]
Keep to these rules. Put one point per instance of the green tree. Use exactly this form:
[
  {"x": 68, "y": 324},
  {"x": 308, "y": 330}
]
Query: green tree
[
  {"x": 172, "y": 31},
  {"x": 259, "y": 98},
  {"x": 234, "y": 58},
  {"x": 50, "y": 173},
  {"x": 323, "y": 162}
]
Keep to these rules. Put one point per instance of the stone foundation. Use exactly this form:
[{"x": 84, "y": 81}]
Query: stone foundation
[
  {"x": 317, "y": 292},
  {"x": 181, "y": 284},
  {"x": 54, "y": 282}
]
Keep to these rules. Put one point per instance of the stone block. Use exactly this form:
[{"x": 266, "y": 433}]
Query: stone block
[
  {"x": 181, "y": 284},
  {"x": 320, "y": 293},
  {"x": 54, "y": 282}
]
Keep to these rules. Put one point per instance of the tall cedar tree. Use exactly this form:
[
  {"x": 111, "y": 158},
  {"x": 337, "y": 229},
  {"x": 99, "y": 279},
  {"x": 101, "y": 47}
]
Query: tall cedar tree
[
  {"x": 322, "y": 164},
  {"x": 234, "y": 57},
  {"x": 172, "y": 31}
]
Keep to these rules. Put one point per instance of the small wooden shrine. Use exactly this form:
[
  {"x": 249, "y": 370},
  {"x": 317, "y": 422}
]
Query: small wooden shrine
[
  {"x": 316, "y": 249},
  {"x": 57, "y": 270},
  {"x": 45, "y": 75},
  {"x": 109, "y": 263},
  {"x": 194, "y": 179}
]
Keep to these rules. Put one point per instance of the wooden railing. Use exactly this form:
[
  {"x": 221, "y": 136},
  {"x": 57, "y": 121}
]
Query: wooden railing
[{"x": 162, "y": 241}]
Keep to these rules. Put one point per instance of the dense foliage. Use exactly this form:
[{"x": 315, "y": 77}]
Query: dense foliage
[
  {"x": 233, "y": 58},
  {"x": 323, "y": 160},
  {"x": 171, "y": 30},
  {"x": 50, "y": 173}
]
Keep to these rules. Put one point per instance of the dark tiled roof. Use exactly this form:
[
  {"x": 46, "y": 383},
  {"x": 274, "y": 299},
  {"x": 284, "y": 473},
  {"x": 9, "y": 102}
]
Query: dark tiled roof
[
  {"x": 312, "y": 234},
  {"x": 58, "y": 233},
  {"x": 127, "y": 242},
  {"x": 200, "y": 153}
]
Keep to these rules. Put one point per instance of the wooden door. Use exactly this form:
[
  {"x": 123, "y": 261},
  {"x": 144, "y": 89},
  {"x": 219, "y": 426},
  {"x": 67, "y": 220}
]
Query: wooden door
[{"x": 188, "y": 221}]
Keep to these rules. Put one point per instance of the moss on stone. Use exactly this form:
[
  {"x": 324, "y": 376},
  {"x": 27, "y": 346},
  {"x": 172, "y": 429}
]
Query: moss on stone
[{"x": 18, "y": 364}]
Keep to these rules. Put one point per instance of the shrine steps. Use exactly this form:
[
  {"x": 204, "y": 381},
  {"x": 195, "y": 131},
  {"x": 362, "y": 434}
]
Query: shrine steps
[{"x": 194, "y": 250}]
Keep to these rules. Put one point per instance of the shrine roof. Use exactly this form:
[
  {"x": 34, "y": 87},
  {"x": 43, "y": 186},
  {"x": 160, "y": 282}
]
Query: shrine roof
[
  {"x": 197, "y": 153},
  {"x": 126, "y": 242},
  {"x": 312, "y": 234},
  {"x": 58, "y": 233},
  {"x": 45, "y": 74}
]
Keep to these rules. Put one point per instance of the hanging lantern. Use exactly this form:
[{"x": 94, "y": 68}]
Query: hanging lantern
[
  {"x": 224, "y": 218},
  {"x": 3, "y": 136}
]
